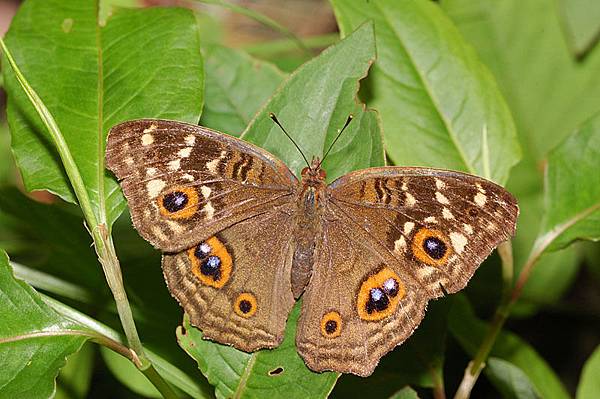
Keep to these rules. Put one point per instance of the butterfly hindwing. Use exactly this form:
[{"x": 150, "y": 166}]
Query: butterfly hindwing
[
  {"x": 185, "y": 183},
  {"x": 341, "y": 328},
  {"x": 235, "y": 286}
]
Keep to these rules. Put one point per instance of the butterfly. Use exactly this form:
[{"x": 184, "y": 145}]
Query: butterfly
[{"x": 243, "y": 238}]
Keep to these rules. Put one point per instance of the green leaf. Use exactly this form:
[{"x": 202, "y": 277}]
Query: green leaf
[
  {"x": 171, "y": 373},
  {"x": 277, "y": 373},
  {"x": 589, "y": 384},
  {"x": 469, "y": 332},
  {"x": 236, "y": 86},
  {"x": 419, "y": 361},
  {"x": 34, "y": 339},
  {"x": 510, "y": 380},
  {"x": 439, "y": 104},
  {"x": 533, "y": 69},
  {"x": 54, "y": 240},
  {"x": 74, "y": 379},
  {"x": 554, "y": 269},
  {"x": 572, "y": 189},
  {"x": 405, "y": 393},
  {"x": 581, "y": 20},
  {"x": 143, "y": 63},
  {"x": 313, "y": 104}
]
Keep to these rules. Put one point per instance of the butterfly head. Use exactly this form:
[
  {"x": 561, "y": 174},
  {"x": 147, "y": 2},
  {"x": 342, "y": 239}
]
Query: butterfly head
[{"x": 313, "y": 175}]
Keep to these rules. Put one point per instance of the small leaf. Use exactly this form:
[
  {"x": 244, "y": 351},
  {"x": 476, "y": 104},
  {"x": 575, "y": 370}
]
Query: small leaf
[
  {"x": 236, "y": 86},
  {"x": 405, "y": 393},
  {"x": 34, "y": 339},
  {"x": 510, "y": 380},
  {"x": 589, "y": 384},
  {"x": 469, "y": 332},
  {"x": 439, "y": 104},
  {"x": 572, "y": 189},
  {"x": 277, "y": 373},
  {"x": 143, "y": 63},
  {"x": 313, "y": 104},
  {"x": 581, "y": 20}
]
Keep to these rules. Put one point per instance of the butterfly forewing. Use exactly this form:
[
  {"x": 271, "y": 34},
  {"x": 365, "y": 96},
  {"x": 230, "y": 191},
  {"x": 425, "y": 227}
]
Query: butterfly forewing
[
  {"x": 439, "y": 225},
  {"x": 184, "y": 183}
]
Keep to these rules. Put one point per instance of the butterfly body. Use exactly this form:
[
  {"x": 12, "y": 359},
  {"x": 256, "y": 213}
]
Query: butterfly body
[{"x": 243, "y": 238}]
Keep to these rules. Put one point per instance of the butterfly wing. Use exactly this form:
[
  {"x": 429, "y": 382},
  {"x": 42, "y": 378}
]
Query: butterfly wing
[
  {"x": 236, "y": 288},
  {"x": 184, "y": 183},
  {"x": 204, "y": 199},
  {"x": 393, "y": 238}
]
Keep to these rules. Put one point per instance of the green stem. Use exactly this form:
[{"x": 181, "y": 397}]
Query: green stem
[
  {"x": 261, "y": 18},
  {"x": 285, "y": 45},
  {"x": 102, "y": 239},
  {"x": 478, "y": 363}
]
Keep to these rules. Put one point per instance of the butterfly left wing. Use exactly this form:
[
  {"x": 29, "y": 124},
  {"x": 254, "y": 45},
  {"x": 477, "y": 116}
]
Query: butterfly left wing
[{"x": 394, "y": 238}]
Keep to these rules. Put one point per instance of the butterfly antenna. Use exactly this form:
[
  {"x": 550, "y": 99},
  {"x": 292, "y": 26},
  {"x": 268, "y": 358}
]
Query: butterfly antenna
[
  {"x": 350, "y": 117},
  {"x": 274, "y": 118}
]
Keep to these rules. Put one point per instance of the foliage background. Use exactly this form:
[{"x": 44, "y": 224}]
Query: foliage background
[{"x": 541, "y": 62}]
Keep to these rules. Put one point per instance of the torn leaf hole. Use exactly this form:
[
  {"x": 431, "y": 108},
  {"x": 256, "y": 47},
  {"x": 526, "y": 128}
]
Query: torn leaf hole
[{"x": 276, "y": 371}]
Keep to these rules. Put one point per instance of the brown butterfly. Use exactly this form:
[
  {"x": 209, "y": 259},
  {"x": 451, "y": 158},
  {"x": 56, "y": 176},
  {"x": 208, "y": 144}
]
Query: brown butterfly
[{"x": 243, "y": 238}]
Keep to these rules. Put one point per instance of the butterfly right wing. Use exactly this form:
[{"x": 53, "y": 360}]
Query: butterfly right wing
[{"x": 184, "y": 183}]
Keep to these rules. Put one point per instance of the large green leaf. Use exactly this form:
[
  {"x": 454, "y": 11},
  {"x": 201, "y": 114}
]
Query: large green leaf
[
  {"x": 589, "y": 384},
  {"x": 236, "y": 86},
  {"x": 34, "y": 339},
  {"x": 278, "y": 373},
  {"x": 469, "y": 332},
  {"x": 143, "y": 63},
  {"x": 313, "y": 104},
  {"x": 439, "y": 104},
  {"x": 549, "y": 95},
  {"x": 572, "y": 189}
]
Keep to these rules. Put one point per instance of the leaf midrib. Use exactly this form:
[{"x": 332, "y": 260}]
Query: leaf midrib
[
  {"x": 100, "y": 88},
  {"x": 428, "y": 90},
  {"x": 245, "y": 376}
]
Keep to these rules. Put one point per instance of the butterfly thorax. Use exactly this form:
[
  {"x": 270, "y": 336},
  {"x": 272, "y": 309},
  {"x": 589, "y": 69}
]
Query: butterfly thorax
[{"x": 307, "y": 224}]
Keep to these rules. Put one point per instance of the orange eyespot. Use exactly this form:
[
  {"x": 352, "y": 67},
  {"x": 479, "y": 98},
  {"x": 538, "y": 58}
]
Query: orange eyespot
[
  {"x": 379, "y": 295},
  {"x": 431, "y": 247},
  {"x": 178, "y": 203},
  {"x": 245, "y": 305},
  {"x": 331, "y": 325},
  {"x": 211, "y": 262}
]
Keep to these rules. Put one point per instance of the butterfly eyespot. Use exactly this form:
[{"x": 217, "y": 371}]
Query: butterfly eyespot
[
  {"x": 211, "y": 262},
  {"x": 331, "y": 325},
  {"x": 379, "y": 295},
  {"x": 245, "y": 305},
  {"x": 431, "y": 247},
  {"x": 178, "y": 203}
]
